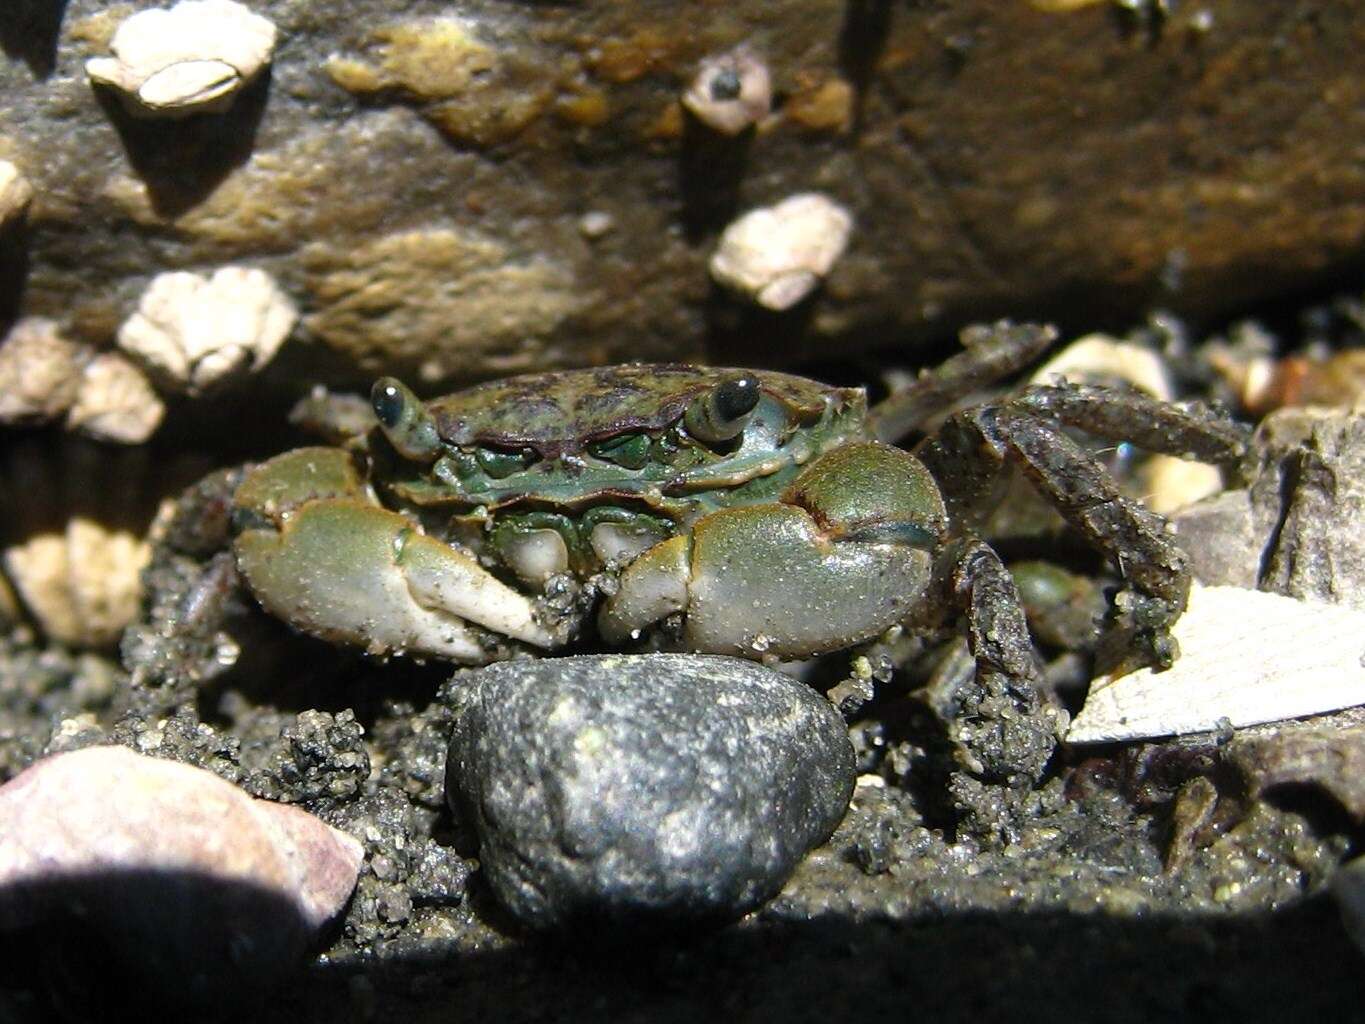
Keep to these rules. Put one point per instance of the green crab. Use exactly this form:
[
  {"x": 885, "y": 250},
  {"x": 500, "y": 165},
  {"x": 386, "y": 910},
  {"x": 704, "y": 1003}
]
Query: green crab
[{"x": 731, "y": 511}]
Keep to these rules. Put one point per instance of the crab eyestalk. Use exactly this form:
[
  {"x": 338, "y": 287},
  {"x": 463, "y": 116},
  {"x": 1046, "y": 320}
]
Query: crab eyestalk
[
  {"x": 721, "y": 413},
  {"x": 405, "y": 420}
]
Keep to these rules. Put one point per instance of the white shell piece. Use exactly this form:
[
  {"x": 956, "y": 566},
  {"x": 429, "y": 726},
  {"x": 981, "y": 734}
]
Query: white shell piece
[
  {"x": 195, "y": 332},
  {"x": 188, "y": 59},
  {"x": 1247, "y": 656},
  {"x": 15, "y": 192},
  {"x": 778, "y": 254}
]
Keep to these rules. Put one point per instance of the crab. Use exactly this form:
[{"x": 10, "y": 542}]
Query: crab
[{"x": 727, "y": 511}]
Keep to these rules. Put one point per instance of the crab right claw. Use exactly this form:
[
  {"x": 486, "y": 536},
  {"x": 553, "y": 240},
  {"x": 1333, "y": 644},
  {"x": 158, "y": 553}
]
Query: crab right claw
[
  {"x": 839, "y": 557},
  {"x": 320, "y": 553}
]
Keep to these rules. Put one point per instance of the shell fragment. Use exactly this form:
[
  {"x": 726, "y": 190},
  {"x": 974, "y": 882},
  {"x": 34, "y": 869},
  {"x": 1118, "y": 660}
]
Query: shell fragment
[{"x": 1247, "y": 656}]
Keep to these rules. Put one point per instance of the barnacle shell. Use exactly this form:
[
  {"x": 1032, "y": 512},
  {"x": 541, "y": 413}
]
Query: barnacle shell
[
  {"x": 15, "y": 193},
  {"x": 188, "y": 59},
  {"x": 115, "y": 402},
  {"x": 73, "y": 515},
  {"x": 194, "y": 332},
  {"x": 82, "y": 584},
  {"x": 40, "y": 372},
  {"x": 731, "y": 92},
  {"x": 778, "y": 254}
]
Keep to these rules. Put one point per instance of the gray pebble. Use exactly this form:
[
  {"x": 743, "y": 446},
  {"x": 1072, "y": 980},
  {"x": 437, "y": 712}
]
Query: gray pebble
[{"x": 654, "y": 791}]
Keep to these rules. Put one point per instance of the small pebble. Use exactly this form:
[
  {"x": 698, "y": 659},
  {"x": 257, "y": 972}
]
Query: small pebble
[{"x": 654, "y": 792}]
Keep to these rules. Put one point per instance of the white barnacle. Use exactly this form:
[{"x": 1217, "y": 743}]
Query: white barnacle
[
  {"x": 82, "y": 584},
  {"x": 15, "y": 193},
  {"x": 778, "y": 254},
  {"x": 193, "y": 332},
  {"x": 40, "y": 372},
  {"x": 188, "y": 59},
  {"x": 115, "y": 402},
  {"x": 730, "y": 92}
]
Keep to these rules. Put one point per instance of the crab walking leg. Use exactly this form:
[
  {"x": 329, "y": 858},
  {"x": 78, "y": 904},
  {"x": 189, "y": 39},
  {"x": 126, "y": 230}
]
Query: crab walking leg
[
  {"x": 975, "y": 444},
  {"x": 990, "y": 354},
  {"x": 842, "y": 555},
  {"x": 1190, "y": 430},
  {"x": 321, "y": 554},
  {"x": 996, "y": 726}
]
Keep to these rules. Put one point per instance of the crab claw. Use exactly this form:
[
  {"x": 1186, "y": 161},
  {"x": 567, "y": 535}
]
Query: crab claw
[
  {"x": 840, "y": 556},
  {"x": 320, "y": 553}
]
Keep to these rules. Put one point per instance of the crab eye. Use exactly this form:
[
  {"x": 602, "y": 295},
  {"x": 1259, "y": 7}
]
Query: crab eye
[
  {"x": 722, "y": 413},
  {"x": 404, "y": 420},
  {"x": 630, "y": 450}
]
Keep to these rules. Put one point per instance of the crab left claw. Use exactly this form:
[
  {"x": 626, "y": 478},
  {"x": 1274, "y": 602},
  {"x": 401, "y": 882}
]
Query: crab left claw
[
  {"x": 320, "y": 553},
  {"x": 841, "y": 555}
]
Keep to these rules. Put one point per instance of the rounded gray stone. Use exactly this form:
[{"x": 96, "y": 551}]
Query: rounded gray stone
[{"x": 659, "y": 791}]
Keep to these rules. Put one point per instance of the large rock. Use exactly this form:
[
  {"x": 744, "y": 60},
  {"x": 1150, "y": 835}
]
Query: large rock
[
  {"x": 655, "y": 791},
  {"x": 1045, "y": 155}
]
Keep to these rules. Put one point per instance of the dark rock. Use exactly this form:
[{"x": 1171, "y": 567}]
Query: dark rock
[
  {"x": 1348, "y": 886},
  {"x": 1327, "y": 754},
  {"x": 938, "y": 125},
  {"x": 655, "y": 791}
]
